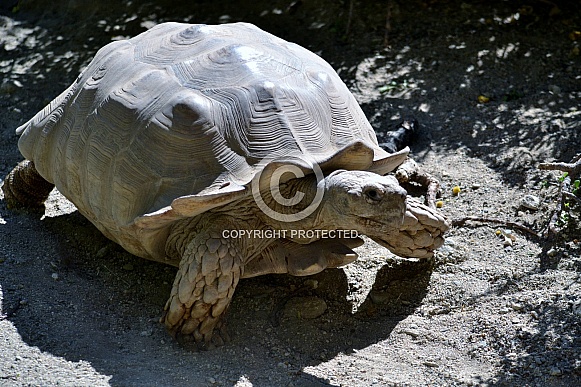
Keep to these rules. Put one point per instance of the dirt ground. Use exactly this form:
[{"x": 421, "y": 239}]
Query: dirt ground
[{"x": 496, "y": 86}]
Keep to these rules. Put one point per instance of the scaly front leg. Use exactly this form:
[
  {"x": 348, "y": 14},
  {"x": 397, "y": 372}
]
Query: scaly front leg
[
  {"x": 208, "y": 274},
  {"x": 420, "y": 234}
]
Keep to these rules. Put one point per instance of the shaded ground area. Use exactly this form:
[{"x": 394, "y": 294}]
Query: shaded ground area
[{"x": 496, "y": 87}]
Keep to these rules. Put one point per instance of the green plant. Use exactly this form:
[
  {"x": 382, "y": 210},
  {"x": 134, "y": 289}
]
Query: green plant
[
  {"x": 394, "y": 85},
  {"x": 563, "y": 176}
]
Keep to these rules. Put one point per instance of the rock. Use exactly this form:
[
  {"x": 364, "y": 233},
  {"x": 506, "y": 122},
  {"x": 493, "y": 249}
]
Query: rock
[
  {"x": 554, "y": 89},
  {"x": 411, "y": 332},
  {"x": 311, "y": 284},
  {"x": 103, "y": 251},
  {"x": 306, "y": 307},
  {"x": 439, "y": 310},
  {"x": 9, "y": 87},
  {"x": 379, "y": 298},
  {"x": 531, "y": 202},
  {"x": 555, "y": 371}
]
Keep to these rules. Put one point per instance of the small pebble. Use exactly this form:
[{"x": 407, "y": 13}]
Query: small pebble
[
  {"x": 128, "y": 267},
  {"x": 378, "y": 297},
  {"x": 437, "y": 310},
  {"x": 531, "y": 202},
  {"x": 555, "y": 371},
  {"x": 429, "y": 363},
  {"x": 311, "y": 283},
  {"x": 306, "y": 307},
  {"x": 102, "y": 252},
  {"x": 7, "y": 87},
  {"x": 554, "y": 89},
  {"x": 55, "y": 276},
  {"x": 412, "y": 332}
]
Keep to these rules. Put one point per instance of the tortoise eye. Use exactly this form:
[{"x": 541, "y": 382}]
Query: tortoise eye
[{"x": 373, "y": 194}]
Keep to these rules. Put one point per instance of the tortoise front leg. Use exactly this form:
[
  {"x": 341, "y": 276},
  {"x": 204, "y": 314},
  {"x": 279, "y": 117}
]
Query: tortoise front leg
[{"x": 208, "y": 274}]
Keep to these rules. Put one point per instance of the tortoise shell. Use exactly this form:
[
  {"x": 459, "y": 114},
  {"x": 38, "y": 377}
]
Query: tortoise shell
[{"x": 180, "y": 119}]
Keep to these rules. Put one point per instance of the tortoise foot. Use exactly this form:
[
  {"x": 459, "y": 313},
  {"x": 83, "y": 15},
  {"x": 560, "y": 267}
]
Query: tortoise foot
[
  {"x": 25, "y": 188},
  {"x": 199, "y": 342}
]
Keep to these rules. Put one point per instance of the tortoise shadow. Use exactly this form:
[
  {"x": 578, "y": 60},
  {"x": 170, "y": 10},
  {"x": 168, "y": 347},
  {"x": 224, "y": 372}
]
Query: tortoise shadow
[{"x": 85, "y": 299}]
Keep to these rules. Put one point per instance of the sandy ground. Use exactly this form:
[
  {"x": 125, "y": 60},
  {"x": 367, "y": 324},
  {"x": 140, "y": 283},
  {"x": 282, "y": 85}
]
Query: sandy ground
[{"x": 488, "y": 310}]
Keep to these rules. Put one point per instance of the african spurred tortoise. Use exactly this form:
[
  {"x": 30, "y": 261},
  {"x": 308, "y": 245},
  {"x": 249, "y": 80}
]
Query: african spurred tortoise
[{"x": 225, "y": 151}]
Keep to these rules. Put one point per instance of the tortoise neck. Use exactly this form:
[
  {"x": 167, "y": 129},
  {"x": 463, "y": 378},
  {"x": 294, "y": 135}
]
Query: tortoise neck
[{"x": 296, "y": 206}]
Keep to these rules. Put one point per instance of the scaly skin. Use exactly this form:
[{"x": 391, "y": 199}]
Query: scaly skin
[
  {"x": 208, "y": 274},
  {"x": 209, "y": 270},
  {"x": 24, "y": 187},
  {"x": 420, "y": 234}
]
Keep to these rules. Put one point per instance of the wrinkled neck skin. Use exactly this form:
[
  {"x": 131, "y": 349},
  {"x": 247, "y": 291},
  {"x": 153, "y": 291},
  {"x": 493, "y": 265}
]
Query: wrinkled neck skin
[
  {"x": 316, "y": 218},
  {"x": 306, "y": 188}
]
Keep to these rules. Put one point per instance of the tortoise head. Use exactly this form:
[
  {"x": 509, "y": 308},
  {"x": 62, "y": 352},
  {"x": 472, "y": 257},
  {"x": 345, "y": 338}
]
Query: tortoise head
[{"x": 372, "y": 204}]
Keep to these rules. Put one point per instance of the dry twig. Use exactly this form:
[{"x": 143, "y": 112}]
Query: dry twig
[
  {"x": 387, "y": 25},
  {"x": 462, "y": 221},
  {"x": 573, "y": 168},
  {"x": 349, "y": 18}
]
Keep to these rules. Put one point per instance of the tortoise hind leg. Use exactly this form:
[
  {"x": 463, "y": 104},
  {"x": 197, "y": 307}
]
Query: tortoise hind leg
[{"x": 24, "y": 187}]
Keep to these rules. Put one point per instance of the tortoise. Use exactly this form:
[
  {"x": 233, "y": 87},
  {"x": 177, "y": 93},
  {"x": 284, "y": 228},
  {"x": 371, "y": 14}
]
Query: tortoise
[{"x": 226, "y": 152}]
